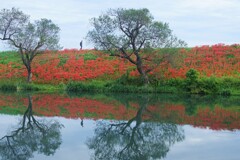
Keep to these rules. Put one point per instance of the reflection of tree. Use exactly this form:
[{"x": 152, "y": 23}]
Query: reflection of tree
[
  {"x": 31, "y": 136},
  {"x": 137, "y": 138}
]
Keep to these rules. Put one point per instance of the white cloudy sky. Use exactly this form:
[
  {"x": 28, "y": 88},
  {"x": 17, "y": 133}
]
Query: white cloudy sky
[{"x": 198, "y": 22}]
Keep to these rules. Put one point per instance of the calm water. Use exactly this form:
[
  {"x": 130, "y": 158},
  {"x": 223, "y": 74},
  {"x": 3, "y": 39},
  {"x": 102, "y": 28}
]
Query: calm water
[{"x": 93, "y": 126}]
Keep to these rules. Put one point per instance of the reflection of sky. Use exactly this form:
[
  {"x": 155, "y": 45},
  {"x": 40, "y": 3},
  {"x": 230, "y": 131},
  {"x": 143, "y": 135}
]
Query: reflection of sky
[
  {"x": 198, "y": 144},
  {"x": 206, "y": 144},
  {"x": 73, "y": 140}
]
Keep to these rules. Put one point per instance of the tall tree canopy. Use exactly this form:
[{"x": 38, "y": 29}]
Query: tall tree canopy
[
  {"x": 131, "y": 33},
  {"x": 29, "y": 38}
]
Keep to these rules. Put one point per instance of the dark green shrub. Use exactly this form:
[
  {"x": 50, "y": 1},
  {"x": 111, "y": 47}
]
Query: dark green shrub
[
  {"x": 208, "y": 86},
  {"x": 191, "y": 82},
  {"x": 29, "y": 87},
  {"x": 121, "y": 88},
  {"x": 192, "y": 75},
  {"x": 82, "y": 87},
  {"x": 195, "y": 85},
  {"x": 225, "y": 92},
  {"x": 126, "y": 79}
]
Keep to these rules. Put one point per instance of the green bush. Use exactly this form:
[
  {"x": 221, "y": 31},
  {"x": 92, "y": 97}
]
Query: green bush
[
  {"x": 191, "y": 82},
  {"x": 81, "y": 87},
  {"x": 208, "y": 86},
  {"x": 120, "y": 88},
  {"x": 195, "y": 85},
  {"x": 126, "y": 79},
  {"x": 29, "y": 87},
  {"x": 230, "y": 82},
  {"x": 192, "y": 75}
]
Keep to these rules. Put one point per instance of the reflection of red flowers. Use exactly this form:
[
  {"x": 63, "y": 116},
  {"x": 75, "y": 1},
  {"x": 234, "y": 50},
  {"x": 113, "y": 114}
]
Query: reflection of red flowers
[{"x": 59, "y": 105}]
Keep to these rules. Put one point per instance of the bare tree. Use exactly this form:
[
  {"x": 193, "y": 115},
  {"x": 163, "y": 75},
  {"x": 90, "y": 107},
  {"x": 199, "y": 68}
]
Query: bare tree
[{"x": 29, "y": 38}]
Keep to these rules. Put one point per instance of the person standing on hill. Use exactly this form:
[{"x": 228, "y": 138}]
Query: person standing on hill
[{"x": 81, "y": 45}]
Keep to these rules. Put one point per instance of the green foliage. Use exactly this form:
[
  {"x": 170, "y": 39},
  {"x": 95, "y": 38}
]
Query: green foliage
[
  {"x": 120, "y": 88},
  {"x": 126, "y": 79},
  {"x": 208, "y": 86},
  {"x": 195, "y": 85},
  {"x": 107, "y": 87},
  {"x": 229, "y": 86},
  {"x": 192, "y": 75},
  {"x": 29, "y": 87},
  {"x": 176, "y": 82},
  {"x": 8, "y": 87},
  {"x": 82, "y": 87},
  {"x": 229, "y": 82},
  {"x": 173, "y": 85},
  {"x": 191, "y": 84},
  {"x": 225, "y": 92},
  {"x": 89, "y": 56}
]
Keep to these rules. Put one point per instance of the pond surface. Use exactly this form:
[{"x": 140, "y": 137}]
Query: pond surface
[{"x": 118, "y": 126}]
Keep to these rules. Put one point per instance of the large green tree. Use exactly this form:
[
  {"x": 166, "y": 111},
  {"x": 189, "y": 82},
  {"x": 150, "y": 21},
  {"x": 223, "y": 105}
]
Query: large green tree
[
  {"x": 29, "y": 38},
  {"x": 131, "y": 34}
]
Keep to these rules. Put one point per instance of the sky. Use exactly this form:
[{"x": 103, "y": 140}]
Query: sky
[{"x": 197, "y": 22}]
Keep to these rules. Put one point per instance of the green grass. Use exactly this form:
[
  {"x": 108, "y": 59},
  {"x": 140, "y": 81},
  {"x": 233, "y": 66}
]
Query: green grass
[
  {"x": 63, "y": 60},
  {"x": 22, "y": 85},
  {"x": 9, "y": 56},
  {"x": 212, "y": 85},
  {"x": 41, "y": 87}
]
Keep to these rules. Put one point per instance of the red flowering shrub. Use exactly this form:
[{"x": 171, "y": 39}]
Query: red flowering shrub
[{"x": 71, "y": 64}]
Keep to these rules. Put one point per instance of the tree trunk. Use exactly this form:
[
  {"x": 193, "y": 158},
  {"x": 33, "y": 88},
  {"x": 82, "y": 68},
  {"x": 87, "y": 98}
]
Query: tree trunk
[
  {"x": 29, "y": 77},
  {"x": 143, "y": 74},
  {"x": 141, "y": 70}
]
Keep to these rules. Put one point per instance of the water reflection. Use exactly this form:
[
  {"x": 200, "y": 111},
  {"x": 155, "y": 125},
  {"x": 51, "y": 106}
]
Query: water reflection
[
  {"x": 29, "y": 136},
  {"x": 142, "y": 137},
  {"x": 117, "y": 126}
]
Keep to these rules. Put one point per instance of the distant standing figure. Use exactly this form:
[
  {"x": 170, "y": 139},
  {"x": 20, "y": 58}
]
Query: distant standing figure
[
  {"x": 82, "y": 122},
  {"x": 81, "y": 45}
]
